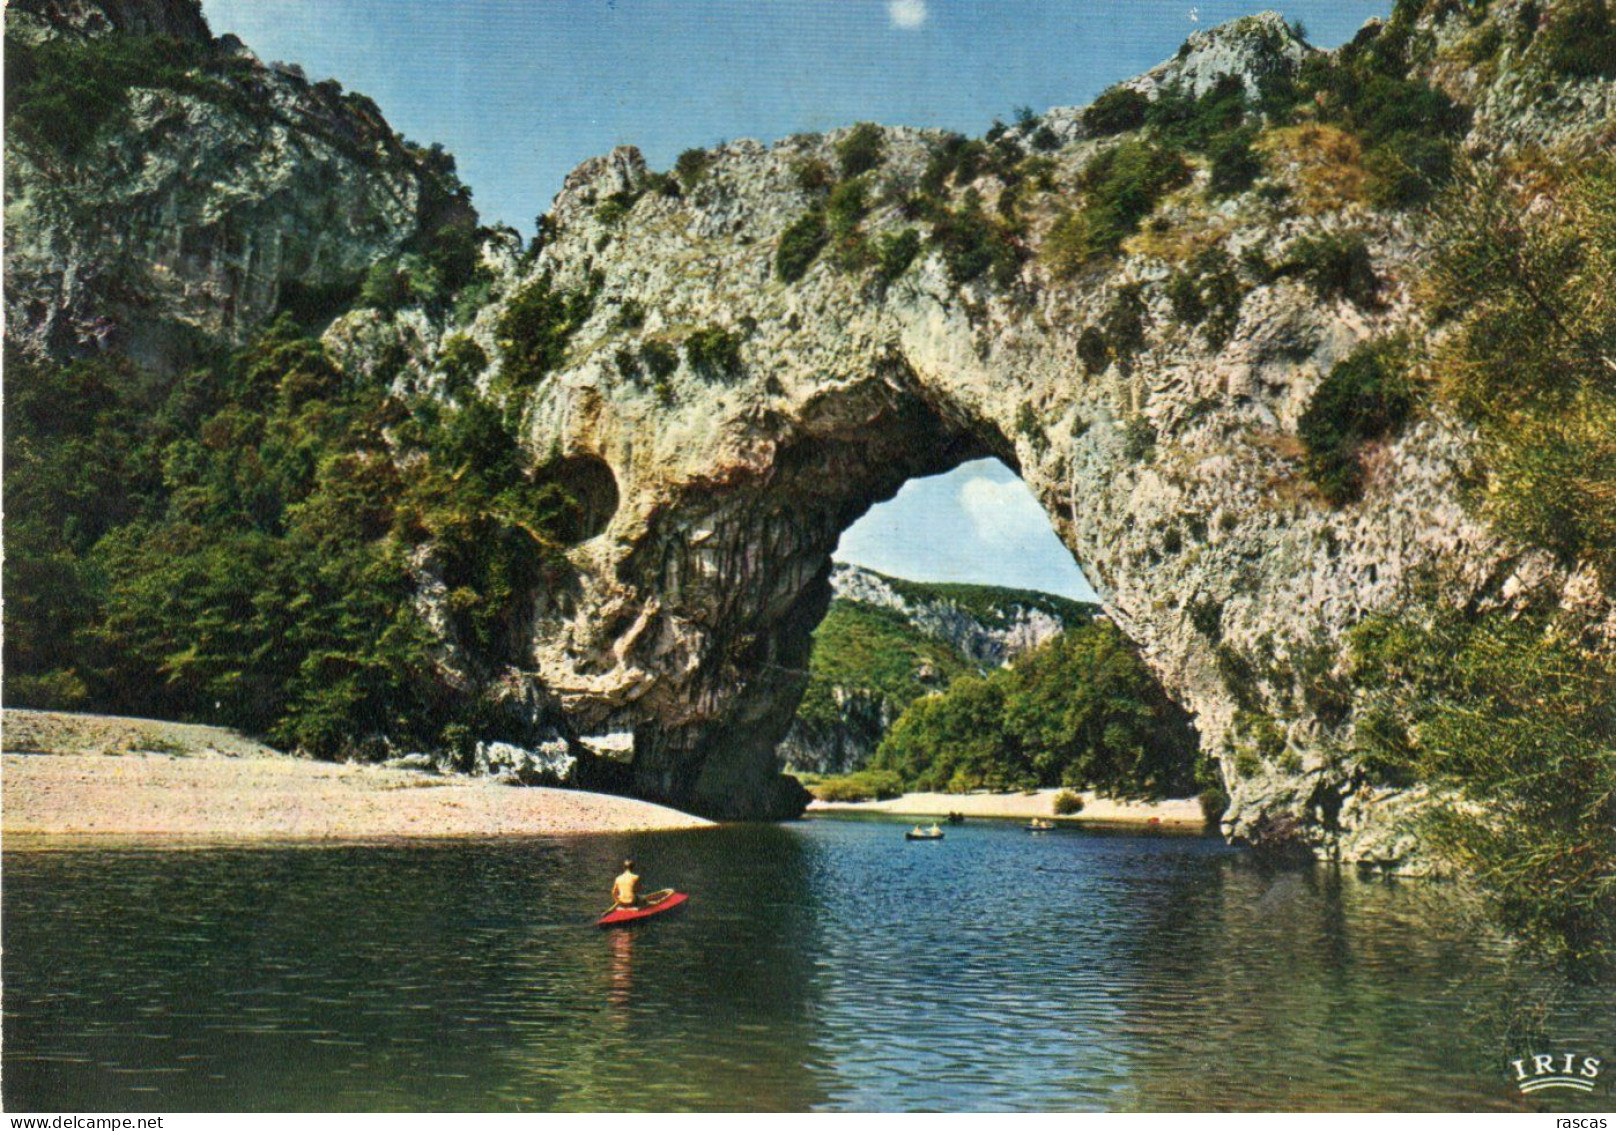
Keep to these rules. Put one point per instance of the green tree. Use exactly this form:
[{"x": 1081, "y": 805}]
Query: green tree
[{"x": 1512, "y": 721}]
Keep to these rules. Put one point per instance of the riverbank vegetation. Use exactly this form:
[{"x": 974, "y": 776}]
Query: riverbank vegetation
[
  {"x": 1082, "y": 711},
  {"x": 1510, "y": 716},
  {"x": 245, "y": 544}
]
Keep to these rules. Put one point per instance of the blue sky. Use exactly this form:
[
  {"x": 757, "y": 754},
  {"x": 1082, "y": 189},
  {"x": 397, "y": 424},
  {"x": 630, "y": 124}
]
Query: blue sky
[{"x": 520, "y": 91}]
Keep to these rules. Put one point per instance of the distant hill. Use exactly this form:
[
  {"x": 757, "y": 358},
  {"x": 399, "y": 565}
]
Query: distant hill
[{"x": 887, "y": 640}]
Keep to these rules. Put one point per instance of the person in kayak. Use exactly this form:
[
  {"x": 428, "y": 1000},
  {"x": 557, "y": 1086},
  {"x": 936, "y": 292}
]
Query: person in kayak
[{"x": 626, "y": 888}]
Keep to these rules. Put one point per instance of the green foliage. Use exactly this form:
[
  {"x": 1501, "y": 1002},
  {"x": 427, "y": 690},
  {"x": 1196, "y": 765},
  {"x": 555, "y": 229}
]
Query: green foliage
[
  {"x": 1139, "y": 440},
  {"x": 1093, "y": 350},
  {"x": 1578, "y": 40},
  {"x": 1044, "y": 139},
  {"x": 461, "y": 361},
  {"x": 1029, "y": 428},
  {"x": 1235, "y": 165},
  {"x": 616, "y": 207},
  {"x": 863, "y": 149},
  {"x": 974, "y": 244},
  {"x": 1532, "y": 294},
  {"x": 1406, "y": 127},
  {"x": 1366, "y": 396},
  {"x": 1081, "y": 711},
  {"x": 535, "y": 328},
  {"x": 60, "y": 93},
  {"x": 874, "y": 650},
  {"x": 714, "y": 352},
  {"x": 1116, "y": 111},
  {"x": 1120, "y": 187},
  {"x": 813, "y": 176},
  {"x": 691, "y": 167},
  {"x": 1068, "y": 803},
  {"x": 800, "y": 245},
  {"x": 660, "y": 358},
  {"x": 894, "y": 252},
  {"x": 865, "y": 785},
  {"x": 1335, "y": 265},
  {"x": 234, "y": 545},
  {"x": 1183, "y": 121},
  {"x": 1512, "y": 722},
  {"x": 630, "y": 315}
]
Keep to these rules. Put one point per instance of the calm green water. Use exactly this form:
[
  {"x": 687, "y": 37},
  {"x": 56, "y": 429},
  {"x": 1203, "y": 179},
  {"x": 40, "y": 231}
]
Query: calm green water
[{"x": 826, "y": 964}]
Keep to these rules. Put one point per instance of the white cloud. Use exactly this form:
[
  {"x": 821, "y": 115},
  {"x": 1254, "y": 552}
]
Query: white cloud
[
  {"x": 1002, "y": 512},
  {"x": 907, "y": 14}
]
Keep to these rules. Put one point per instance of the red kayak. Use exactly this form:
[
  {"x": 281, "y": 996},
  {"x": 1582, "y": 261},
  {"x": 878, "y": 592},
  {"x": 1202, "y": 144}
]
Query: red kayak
[{"x": 654, "y": 904}]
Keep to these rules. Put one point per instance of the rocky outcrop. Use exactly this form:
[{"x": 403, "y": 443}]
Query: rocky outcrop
[
  {"x": 34, "y": 20},
  {"x": 728, "y": 425},
  {"x": 988, "y": 637},
  {"x": 988, "y": 633},
  {"x": 203, "y": 204},
  {"x": 1174, "y": 473}
]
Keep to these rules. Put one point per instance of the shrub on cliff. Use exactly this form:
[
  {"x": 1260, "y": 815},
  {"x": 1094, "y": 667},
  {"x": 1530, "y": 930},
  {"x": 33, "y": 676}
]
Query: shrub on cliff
[
  {"x": 800, "y": 245},
  {"x": 1120, "y": 188},
  {"x": 1531, "y": 295},
  {"x": 1235, "y": 165},
  {"x": 1578, "y": 40},
  {"x": 1511, "y": 720},
  {"x": 60, "y": 93},
  {"x": 863, "y": 149},
  {"x": 1180, "y": 119},
  {"x": 1366, "y": 396},
  {"x": 535, "y": 328},
  {"x": 691, "y": 167},
  {"x": 1335, "y": 265},
  {"x": 714, "y": 352},
  {"x": 1116, "y": 111},
  {"x": 894, "y": 252},
  {"x": 974, "y": 244}
]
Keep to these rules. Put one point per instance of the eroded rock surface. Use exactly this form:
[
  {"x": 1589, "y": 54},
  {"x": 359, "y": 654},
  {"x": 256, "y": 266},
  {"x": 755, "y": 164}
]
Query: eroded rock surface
[{"x": 718, "y": 481}]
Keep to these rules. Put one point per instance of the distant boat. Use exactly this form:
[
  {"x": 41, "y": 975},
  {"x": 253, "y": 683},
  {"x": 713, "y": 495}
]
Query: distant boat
[
  {"x": 956, "y": 818},
  {"x": 1039, "y": 825},
  {"x": 933, "y": 833}
]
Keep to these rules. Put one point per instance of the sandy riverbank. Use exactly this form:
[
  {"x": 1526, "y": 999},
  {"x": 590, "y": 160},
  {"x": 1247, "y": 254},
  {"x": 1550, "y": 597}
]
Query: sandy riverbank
[
  {"x": 1179, "y": 812},
  {"x": 88, "y": 775}
]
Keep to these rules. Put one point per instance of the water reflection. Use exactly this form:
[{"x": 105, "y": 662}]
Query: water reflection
[{"x": 824, "y": 965}]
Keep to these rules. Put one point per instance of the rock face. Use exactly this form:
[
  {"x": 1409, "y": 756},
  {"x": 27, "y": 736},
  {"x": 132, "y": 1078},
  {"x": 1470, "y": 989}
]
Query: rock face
[
  {"x": 727, "y": 426},
  {"x": 1174, "y": 476},
  {"x": 204, "y": 205},
  {"x": 990, "y": 634},
  {"x": 989, "y": 638}
]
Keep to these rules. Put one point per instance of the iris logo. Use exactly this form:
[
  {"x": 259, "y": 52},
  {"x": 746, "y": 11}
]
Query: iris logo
[{"x": 1543, "y": 1071}]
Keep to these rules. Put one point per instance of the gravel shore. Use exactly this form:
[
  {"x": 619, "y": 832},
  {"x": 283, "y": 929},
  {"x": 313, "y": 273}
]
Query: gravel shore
[
  {"x": 1178, "y": 812},
  {"x": 71, "y": 775}
]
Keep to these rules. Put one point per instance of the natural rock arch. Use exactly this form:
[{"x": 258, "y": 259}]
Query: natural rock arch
[{"x": 1174, "y": 476}]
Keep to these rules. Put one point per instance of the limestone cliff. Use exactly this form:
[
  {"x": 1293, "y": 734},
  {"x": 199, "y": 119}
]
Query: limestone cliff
[
  {"x": 886, "y": 641},
  {"x": 1171, "y": 467},
  {"x": 732, "y": 365},
  {"x": 181, "y": 191}
]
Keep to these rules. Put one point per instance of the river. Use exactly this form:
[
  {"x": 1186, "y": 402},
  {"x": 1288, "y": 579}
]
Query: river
[{"x": 826, "y": 964}]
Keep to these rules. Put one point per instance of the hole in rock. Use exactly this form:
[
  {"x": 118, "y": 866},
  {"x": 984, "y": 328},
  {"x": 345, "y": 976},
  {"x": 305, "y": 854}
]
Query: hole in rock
[
  {"x": 592, "y": 488},
  {"x": 978, "y": 523}
]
